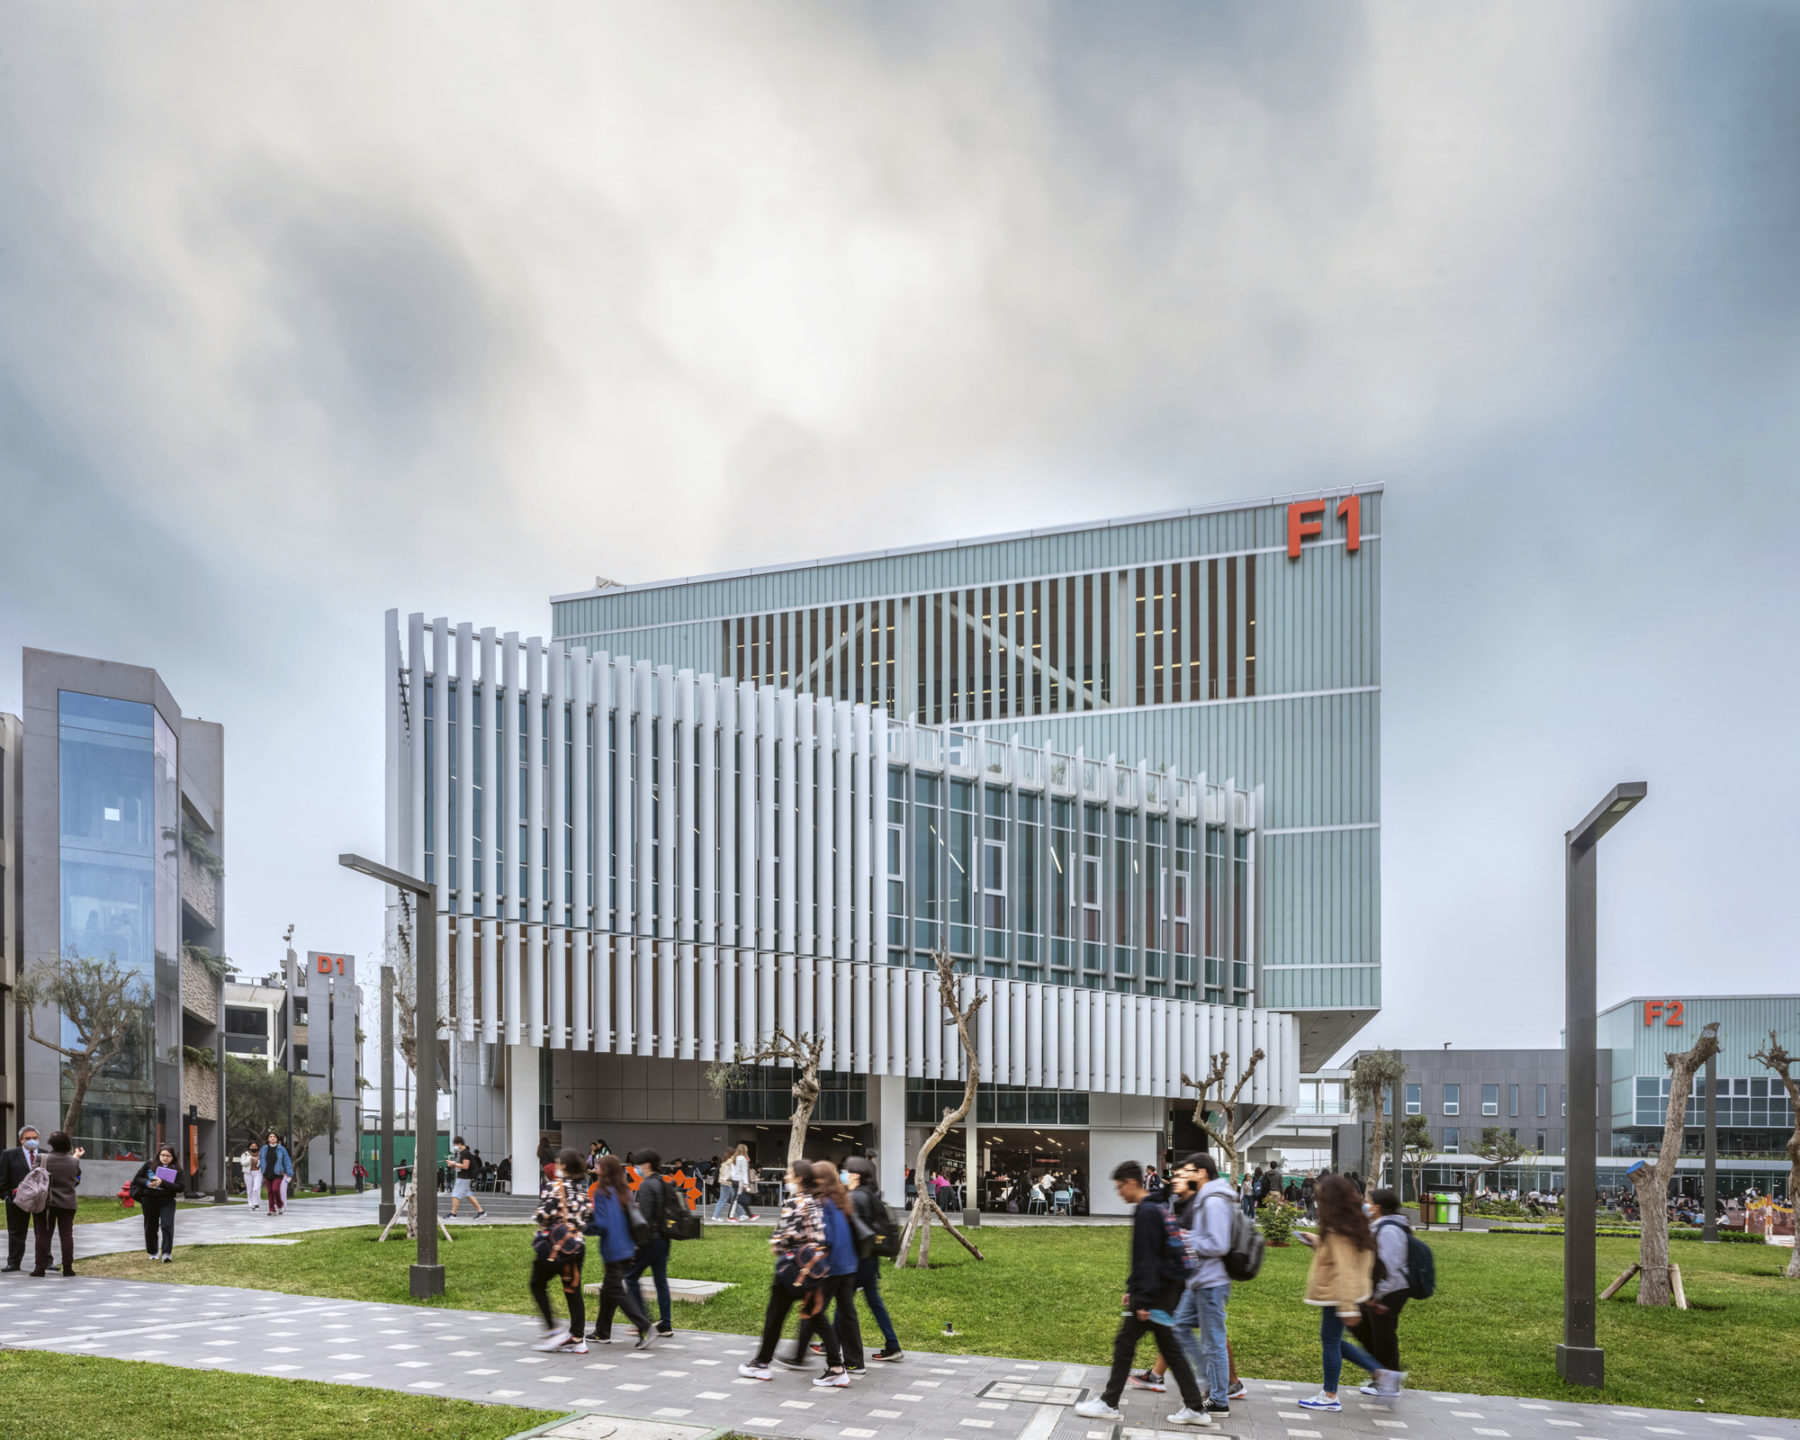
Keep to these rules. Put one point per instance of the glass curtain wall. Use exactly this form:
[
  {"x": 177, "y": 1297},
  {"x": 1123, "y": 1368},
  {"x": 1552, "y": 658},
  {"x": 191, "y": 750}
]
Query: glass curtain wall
[{"x": 120, "y": 898}]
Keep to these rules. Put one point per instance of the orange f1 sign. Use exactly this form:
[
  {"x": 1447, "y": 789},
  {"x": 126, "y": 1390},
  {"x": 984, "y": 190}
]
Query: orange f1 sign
[{"x": 1300, "y": 527}]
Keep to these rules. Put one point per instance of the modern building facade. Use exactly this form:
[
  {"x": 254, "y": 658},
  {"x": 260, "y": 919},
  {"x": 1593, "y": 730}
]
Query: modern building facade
[
  {"x": 121, "y": 842},
  {"x": 1524, "y": 1093},
  {"x": 1235, "y": 643},
  {"x": 665, "y": 836},
  {"x": 12, "y": 1020}
]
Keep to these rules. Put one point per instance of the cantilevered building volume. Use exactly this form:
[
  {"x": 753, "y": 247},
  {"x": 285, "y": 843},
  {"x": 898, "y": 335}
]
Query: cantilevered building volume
[{"x": 1125, "y": 774}]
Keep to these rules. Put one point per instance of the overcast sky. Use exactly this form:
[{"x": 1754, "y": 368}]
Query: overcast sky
[{"x": 310, "y": 311}]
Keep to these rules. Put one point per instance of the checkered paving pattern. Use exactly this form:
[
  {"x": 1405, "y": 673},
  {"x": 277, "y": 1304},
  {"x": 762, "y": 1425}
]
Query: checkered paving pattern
[{"x": 692, "y": 1380}]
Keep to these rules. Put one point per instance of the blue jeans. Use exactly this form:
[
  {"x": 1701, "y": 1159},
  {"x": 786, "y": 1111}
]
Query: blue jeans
[
  {"x": 727, "y": 1202},
  {"x": 1338, "y": 1348},
  {"x": 868, "y": 1280},
  {"x": 1209, "y": 1303},
  {"x": 653, "y": 1255}
]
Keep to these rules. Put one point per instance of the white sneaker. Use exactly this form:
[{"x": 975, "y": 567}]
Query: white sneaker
[
  {"x": 1388, "y": 1382},
  {"x": 1321, "y": 1401},
  {"x": 831, "y": 1379},
  {"x": 1185, "y": 1416},
  {"x": 552, "y": 1339},
  {"x": 755, "y": 1372},
  {"x": 1369, "y": 1389},
  {"x": 574, "y": 1345},
  {"x": 1097, "y": 1409}
]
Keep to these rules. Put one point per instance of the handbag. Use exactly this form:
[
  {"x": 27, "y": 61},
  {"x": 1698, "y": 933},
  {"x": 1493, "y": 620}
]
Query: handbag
[{"x": 634, "y": 1219}]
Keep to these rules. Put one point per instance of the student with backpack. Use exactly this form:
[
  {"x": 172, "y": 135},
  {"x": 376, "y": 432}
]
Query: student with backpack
[
  {"x": 1340, "y": 1279},
  {"x": 868, "y": 1207},
  {"x": 558, "y": 1248},
  {"x": 811, "y": 1228},
  {"x": 1153, "y": 1289},
  {"x": 611, "y": 1220},
  {"x": 1395, "y": 1282},
  {"x": 657, "y": 1202},
  {"x": 55, "y": 1216}
]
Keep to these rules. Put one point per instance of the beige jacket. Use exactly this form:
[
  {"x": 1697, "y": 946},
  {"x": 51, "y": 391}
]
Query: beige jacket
[{"x": 1341, "y": 1275}]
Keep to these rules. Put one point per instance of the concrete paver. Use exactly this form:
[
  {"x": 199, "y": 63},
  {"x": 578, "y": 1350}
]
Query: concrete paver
[{"x": 692, "y": 1380}]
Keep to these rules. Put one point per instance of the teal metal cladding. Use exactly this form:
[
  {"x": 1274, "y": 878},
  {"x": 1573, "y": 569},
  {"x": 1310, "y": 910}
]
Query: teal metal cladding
[{"x": 1190, "y": 640}]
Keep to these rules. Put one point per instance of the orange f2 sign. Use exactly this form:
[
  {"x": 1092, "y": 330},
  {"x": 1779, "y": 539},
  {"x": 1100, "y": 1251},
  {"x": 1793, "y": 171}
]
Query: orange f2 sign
[
  {"x": 1668, "y": 1011},
  {"x": 1300, "y": 527}
]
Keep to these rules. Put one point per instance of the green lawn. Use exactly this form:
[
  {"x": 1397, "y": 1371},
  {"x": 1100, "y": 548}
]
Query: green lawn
[
  {"x": 138, "y": 1400},
  {"x": 90, "y": 1208},
  {"x": 1050, "y": 1294}
]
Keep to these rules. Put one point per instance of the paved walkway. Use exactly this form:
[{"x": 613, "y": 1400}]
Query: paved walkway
[{"x": 692, "y": 1380}]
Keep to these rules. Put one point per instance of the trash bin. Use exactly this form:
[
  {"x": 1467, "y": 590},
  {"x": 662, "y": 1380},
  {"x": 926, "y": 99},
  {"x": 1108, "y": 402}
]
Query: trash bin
[{"x": 1446, "y": 1208}]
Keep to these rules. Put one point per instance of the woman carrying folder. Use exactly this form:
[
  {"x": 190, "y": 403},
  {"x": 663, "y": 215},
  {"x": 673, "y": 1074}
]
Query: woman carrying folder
[{"x": 155, "y": 1187}]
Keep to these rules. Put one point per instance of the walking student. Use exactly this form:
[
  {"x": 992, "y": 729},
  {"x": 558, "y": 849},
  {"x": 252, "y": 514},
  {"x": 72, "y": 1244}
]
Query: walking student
[
  {"x": 802, "y": 1245},
  {"x": 612, "y": 1223},
  {"x": 867, "y": 1205},
  {"x": 461, "y": 1188},
  {"x": 156, "y": 1187},
  {"x": 558, "y": 1249},
  {"x": 14, "y": 1165},
  {"x": 277, "y": 1172},
  {"x": 64, "y": 1164},
  {"x": 1379, "y": 1328},
  {"x": 251, "y": 1160},
  {"x": 1338, "y": 1282},
  {"x": 655, "y": 1197},
  {"x": 1152, "y": 1290},
  {"x": 734, "y": 1177},
  {"x": 836, "y": 1293},
  {"x": 1194, "y": 1177}
]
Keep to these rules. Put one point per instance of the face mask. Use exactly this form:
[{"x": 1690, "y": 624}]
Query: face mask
[{"x": 31, "y": 1144}]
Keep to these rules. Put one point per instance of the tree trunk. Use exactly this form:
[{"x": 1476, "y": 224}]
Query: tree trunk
[
  {"x": 1793, "y": 1189},
  {"x": 79, "y": 1075},
  {"x": 802, "y": 1117},
  {"x": 1653, "y": 1243}
]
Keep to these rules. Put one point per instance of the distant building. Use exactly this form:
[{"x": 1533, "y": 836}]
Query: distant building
[
  {"x": 120, "y": 854},
  {"x": 1523, "y": 1093},
  {"x": 12, "y": 1023}
]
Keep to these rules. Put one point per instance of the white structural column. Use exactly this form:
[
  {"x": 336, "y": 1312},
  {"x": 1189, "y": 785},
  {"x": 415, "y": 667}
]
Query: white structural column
[
  {"x": 643, "y": 693},
  {"x": 532, "y": 1027},
  {"x": 667, "y": 844},
  {"x": 763, "y": 703},
  {"x": 465, "y": 878},
  {"x": 845, "y": 838},
  {"x": 556, "y": 961},
  {"x": 887, "y": 1108},
  {"x": 749, "y": 1026},
  {"x": 488, "y": 1002},
  {"x": 580, "y": 796},
  {"x": 414, "y": 830},
  {"x": 787, "y": 980},
  {"x": 725, "y": 917},
  {"x": 624, "y": 926},
  {"x": 522, "y": 1115},
  {"x": 706, "y": 821},
  {"x": 603, "y": 919},
  {"x": 686, "y": 1007},
  {"x": 510, "y": 804},
  {"x": 806, "y": 824},
  {"x": 825, "y": 856},
  {"x": 442, "y": 874}
]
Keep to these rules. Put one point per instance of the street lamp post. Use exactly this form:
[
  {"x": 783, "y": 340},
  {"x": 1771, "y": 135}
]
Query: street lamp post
[
  {"x": 427, "y": 1277},
  {"x": 386, "y": 1211},
  {"x": 1709, "y": 1190},
  {"x": 1579, "y": 1360}
]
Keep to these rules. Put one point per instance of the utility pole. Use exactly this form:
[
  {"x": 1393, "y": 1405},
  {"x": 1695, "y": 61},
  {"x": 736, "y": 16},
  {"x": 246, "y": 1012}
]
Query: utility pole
[
  {"x": 1709, "y": 1190},
  {"x": 386, "y": 1211},
  {"x": 331, "y": 1073},
  {"x": 290, "y": 978}
]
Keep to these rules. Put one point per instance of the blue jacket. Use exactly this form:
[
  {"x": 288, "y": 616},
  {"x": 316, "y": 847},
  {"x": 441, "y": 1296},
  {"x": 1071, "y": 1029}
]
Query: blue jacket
[
  {"x": 610, "y": 1224},
  {"x": 839, "y": 1242},
  {"x": 275, "y": 1160}
]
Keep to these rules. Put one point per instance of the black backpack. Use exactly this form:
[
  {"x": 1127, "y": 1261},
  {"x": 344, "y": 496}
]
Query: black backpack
[
  {"x": 1243, "y": 1257},
  {"x": 880, "y": 1219},
  {"x": 1421, "y": 1264}
]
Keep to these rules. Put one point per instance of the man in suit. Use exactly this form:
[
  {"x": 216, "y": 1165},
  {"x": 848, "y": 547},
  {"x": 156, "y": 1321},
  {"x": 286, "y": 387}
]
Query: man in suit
[{"x": 13, "y": 1165}]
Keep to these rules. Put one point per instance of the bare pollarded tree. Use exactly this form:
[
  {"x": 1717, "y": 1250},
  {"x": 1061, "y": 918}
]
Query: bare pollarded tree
[
  {"x": 925, "y": 1208},
  {"x": 803, "y": 1052},
  {"x": 1652, "y": 1182},
  {"x": 1776, "y": 1056},
  {"x": 1218, "y": 1111}
]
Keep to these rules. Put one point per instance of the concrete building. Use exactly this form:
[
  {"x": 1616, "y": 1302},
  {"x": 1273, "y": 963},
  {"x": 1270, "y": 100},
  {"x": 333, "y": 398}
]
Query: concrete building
[
  {"x": 121, "y": 841},
  {"x": 1125, "y": 775},
  {"x": 1524, "y": 1092},
  {"x": 12, "y": 1021}
]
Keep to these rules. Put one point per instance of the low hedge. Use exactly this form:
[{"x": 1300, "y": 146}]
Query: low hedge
[{"x": 1729, "y": 1237}]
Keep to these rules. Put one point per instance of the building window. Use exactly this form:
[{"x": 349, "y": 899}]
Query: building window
[
  {"x": 928, "y": 840},
  {"x": 962, "y": 858},
  {"x": 993, "y": 876},
  {"x": 1450, "y": 1140},
  {"x": 1025, "y": 889},
  {"x": 1565, "y": 1099},
  {"x": 1541, "y": 1137},
  {"x": 896, "y": 859},
  {"x": 1415, "y": 1099},
  {"x": 1453, "y": 1100},
  {"x": 1512, "y": 1098},
  {"x": 1543, "y": 1101},
  {"x": 1490, "y": 1099}
]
